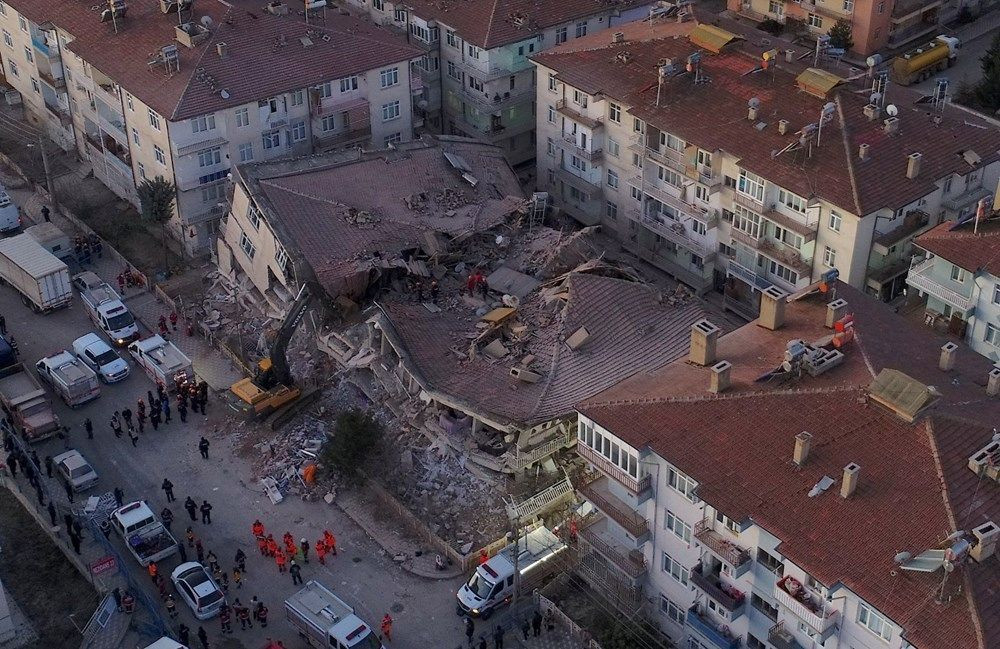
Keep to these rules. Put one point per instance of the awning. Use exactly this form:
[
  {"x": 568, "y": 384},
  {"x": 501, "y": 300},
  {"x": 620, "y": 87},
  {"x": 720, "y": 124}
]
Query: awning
[
  {"x": 711, "y": 37},
  {"x": 817, "y": 82}
]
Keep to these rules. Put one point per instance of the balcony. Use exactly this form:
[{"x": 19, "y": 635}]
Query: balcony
[
  {"x": 632, "y": 563},
  {"x": 729, "y": 598},
  {"x": 785, "y": 254},
  {"x": 781, "y": 638},
  {"x": 60, "y": 113},
  {"x": 921, "y": 277},
  {"x": 914, "y": 223},
  {"x": 600, "y": 496},
  {"x": 48, "y": 75},
  {"x": 754, "y": 279},
  {"x": 497, "y": 102},
  {"x": 723, "y": 548},
  {"x": 570, "y": 144},
  {"x": 806, "y": 605},
  {"x": 675, "y": 160},
  {"x": 590, "y": 187},
  {"x": 705, "y": 628},
  {"x": 748, "y": 202},
  {"x": 563, "y": 108},
  {"x": 676, "y": 232},
  {"x": 490, "y": 73},
  {"x": 635, "y": 485},
  {"x": 626, "y": 596},
  {"x": 588, "y": 213}
]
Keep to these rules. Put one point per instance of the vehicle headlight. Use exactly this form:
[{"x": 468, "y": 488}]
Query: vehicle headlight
[{"x": 475, "y": 611}]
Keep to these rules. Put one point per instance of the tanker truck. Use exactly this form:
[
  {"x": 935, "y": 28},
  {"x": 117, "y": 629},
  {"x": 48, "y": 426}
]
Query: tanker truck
[{"x": 925, "y": 60}]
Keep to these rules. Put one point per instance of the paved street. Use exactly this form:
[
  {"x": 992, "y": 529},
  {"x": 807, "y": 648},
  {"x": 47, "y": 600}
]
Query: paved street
[{"x": 976, "y": 38}]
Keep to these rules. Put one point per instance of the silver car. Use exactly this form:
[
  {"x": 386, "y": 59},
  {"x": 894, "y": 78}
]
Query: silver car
[
  {"x": 75, "y": 471},
  {"x": 99, "y": 356},
  {"x": 198, "y": 589}
]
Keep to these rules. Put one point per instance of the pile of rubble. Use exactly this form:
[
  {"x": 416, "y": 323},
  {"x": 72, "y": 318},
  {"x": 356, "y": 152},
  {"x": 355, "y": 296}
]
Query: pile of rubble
[
  {"x": 445, "y": 201},
  {"x": 362, "y": 217}
]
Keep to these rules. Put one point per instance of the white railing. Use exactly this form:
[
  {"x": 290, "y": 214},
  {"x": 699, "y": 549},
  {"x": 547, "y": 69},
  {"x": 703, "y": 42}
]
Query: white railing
[{"x": 920, "y": 278}]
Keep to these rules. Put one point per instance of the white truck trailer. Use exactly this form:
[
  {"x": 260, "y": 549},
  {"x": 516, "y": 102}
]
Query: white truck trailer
[
  {"x": 326, "y": 622},
  {"x": 35, "y": 273}
]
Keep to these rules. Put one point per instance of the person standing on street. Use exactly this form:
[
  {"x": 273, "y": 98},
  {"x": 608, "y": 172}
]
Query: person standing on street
[
  {"x": 69, "y": 491},
  {"x": 470, "y": 629},
  {"x": 225, "y": 620},
  {"x": 165, "y": 407},
  {"x": 244, "y": 614},
  {"x": 182, "y": 411},
  {"x": 168, "y": 488},
  {"x": 89, "y": 427},
  {"x": 52, "y": 513},
  {"x": 48, "y": 465},
  {"x": 183, "y": 635},
  {"x": 3, "y": 325},
  {"x": 203, "y": 448},
  {"x": 498, "y": 637},
  {"x": 241, "y": 560},
  {"x": 262, "y": 615},
  {"x": 296, "y": 572},
  {"x": 132, "y": 435},
  {"x": 387, "y": 627},
  {"x": 116, "y": 425},
  {"x": 154, "y": 416},
  {"x": 75, "y": 540},
  {"x": 167, "y": 516},
  {"x": 119, "y": 496},
  {"x": 238, "y": 577},
  {"x": 127, "y": 415},
  {"x": 47, "y": 215},
  {"x": 192, "y": 508},
  {"x": 279, "y": 558},
  {"x": 206, "y": 512},
  {"x": 536, "y": 623},
  {"x": 140, "y": 410},
  {"x": 304, "y": 545},
  {"x": 203, "y": 637},
  {"x": 321, "y": 552}
]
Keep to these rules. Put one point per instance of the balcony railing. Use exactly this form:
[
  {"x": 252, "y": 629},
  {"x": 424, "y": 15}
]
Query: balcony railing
[
  {"x": 343, "y": 138},
  {"x": 571, "y": 145},
  {"x": 748, "y": 202},
  {"x": 805, "y": 605},
  {"x": 493, "y": 72},
  {"x": 591, "y": 187},
  {"x": 668, "y": 158},
  {"x": 780, "y": 638},
  {"x": 711, "y": 585},
  {"x": 676, "y": 232},
  {"x": 723, "y": 548},
  {"x": 914, "y": 223},
  {"x": 756, "y": 280},
  {"x": 633, "y": 522},
  {"x": 496, "y": 101},
  {"x": 786, "y": 254},
  {"x": 48, "y": 77},
  {"x": 719, "y": 636},
  {"x": 921, "y": 278},
  {"x": 625, "y": 596},
  {"x": 630, "y": 564},
  {"x": 563, "y": 108},
  {"x": 634, "y": 485}
]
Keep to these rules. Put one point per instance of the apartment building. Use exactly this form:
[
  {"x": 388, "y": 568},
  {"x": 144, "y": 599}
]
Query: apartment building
[
  {"x": 843, "y": 502},
  {"x": 217, "y": 86},
  {"x": 875, "y": 24},
  {"x": 734, "y": 172},
  {"x": 478, "y": 79},
  {"x": 958, "y": 279}
]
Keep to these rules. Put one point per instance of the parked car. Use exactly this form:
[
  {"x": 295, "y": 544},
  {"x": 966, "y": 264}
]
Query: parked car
[
  {"x": 10, "y": 215},
  {"x": 198, "y": 589},
  {"x": 98, "y": 356},
  {"x": 75, "y": 470}
]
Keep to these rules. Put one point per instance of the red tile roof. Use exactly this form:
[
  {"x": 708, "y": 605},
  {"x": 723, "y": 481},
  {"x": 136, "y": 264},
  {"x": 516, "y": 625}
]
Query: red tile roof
[
  {"x": 265, "y": 56},
  {"x": 973, "y": 251},
  {"x": 833, "y": 171},
  {"x": 491, "y": 23},
  {"x": 738, "y": 447}
]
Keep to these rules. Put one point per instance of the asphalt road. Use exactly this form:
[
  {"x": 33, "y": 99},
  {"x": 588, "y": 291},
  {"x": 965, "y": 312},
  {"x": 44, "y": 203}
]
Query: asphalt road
[
  {"x": 423, "y": 609},
  {"x": 967, "y": 69}
]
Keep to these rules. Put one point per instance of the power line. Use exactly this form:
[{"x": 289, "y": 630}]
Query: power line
[{"x": 19, "y": 125}]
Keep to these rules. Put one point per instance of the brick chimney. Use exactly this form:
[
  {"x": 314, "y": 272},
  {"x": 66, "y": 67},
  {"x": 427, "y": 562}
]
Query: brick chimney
[
  {"x": 948, "y": 352},
  {"x": 993, "y": 382},
  {"x": 835, "y": 311},
  {"x": 850, "y": 483},
  {"x": 704, "y": 335},
  {"x": 718, "y": 381},
  {"x": 772, "y": 308},
  {"x": 803, "y": 442},
  {"x": 913, "y": 165}
]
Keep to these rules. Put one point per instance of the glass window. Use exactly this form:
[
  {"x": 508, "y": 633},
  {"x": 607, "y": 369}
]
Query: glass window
[
  {"x": 560, "y": 35},
  {"x": 792, "y": 201},
  {"x": 614, "y": 149},
  {"x": 776, "y": 8},
  {"x": 142, "y": 170},
  {"x": 298, "y": 130},
  {"x": 393, "y": 139},
  {"x": 128, "y": 102},
  {"x": 347, "y": 84},
  {"x": 7, "y": 39},
  {"x": 614, "y": 112},
  {"x": 242, "y": 117},
  {"x": 135, "y": 136},
  {"x": 612, "y": 179},
  {"x": 682, "y": 484},
  {"x": 203, "y": 123},
  {"x": 22, "y": 23},
  {"x": 451, "y": 39},
  {"x": 36, "y": 86},
  {"x": 957, "y": 273},
  {"x": 552, "y": 114},
  {"x": 680, "y": 529},
  {"x": 992, "y": 334},
  {"x": 782, "y": 272},
  {"x": 158, "y": 154},
  {"x": 829, "y": 256},
  {"x": 473, "y": 51},
  {"x": 611, "y": 209},
  {"x": 815, "y": 20},
  {"x": 746, "y": 221},
  {"x": 209, "y": 157},
  {"x": 668, "y": 176},
  {"x": 848, "y": 6},
  {"x": 996, "y": 294},
  {"x": 154, "y": 119},
  {"x": 874, "y": 622},
  {"x": 671, "y": 566},
  {"x": 553, "y": 84},
  {"x": 390, "y": 111},
  {"x": 328, "y": 123},
  {"x": 673, "y": 612},
  {"x": 28, "y": 55},
  {"x": 271, "y": 139},
  {"x": 298, "y": 98},
  {"x": 752, "y": 185},
  {"x": 246, "y": 152},
  {"x": 325, "y": 90},
  {"x": 580, "y": 98},
  {"x": 581, "y": 29},
  {"x": 247, "y": 245},
  {"x": 836, "y": 221}
]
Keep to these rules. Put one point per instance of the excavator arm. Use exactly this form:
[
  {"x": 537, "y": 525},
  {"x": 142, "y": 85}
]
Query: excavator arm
[{"x": 279, "y": 373}]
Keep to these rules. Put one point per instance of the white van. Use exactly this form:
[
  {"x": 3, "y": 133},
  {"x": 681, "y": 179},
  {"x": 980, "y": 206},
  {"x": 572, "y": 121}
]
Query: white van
[{"x": 10, "y": 215}]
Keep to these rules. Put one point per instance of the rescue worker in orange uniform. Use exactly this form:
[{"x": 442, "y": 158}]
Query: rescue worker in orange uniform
[
  {"x": 272, "y": 545},
  {"x": 330, "y": 541},
  {"x": 258, "y": 529},
  {"x": 279, "y": 558},
  {"x": 321, "y": 551},
  {"x": 387, "y": 627}
]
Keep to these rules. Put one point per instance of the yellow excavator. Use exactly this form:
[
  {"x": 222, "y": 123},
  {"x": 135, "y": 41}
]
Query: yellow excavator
[{"x": 272, "y": 387}]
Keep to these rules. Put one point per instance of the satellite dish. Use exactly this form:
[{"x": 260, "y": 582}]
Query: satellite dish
[
  {"x": 754, "y": 102},
  {"x": 875, "y": 97},
  {"x": 206, "y": 22},
  {"x": 902, "y": 557},
  {"x": 224, "y": 93},
  {"x": 829, "y": 107},
  {"x": 891, "y": 110},
  {"x": 873, "y": 60}
]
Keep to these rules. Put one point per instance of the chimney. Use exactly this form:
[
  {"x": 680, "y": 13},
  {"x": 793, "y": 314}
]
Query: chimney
[
  {"x": 719, "y": 380},
  {"x": 752, "y": 113},
  {"x": 850, "y": 483},
  {"x": 913, "y": 165},
  {"x": 703, "y": 337},
  {"x": 835, "y": 311},
  {"x": 986, "y": 536},
  {"x": 789, "y": 56},
  {"x": 782, "y": 126},
  {"x": 993, "y": 382},
  {"x": 947, "y": 362},
  {"x": 772, "y": 308},
  {"x": 863, "y": 151},
  {"x": 891, "y": 125},
  {"x": 220, "y": 47},
  {"x": 618, "y": 37},
  {"x": 872, "y": 111},
  {"x": 803, "y": 442}
]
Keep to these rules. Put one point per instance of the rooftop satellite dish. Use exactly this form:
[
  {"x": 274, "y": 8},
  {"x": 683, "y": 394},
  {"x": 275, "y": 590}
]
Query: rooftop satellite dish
[
  {"x": 875, "y": 97},
  {"x": 829, "y": 107},
  {"x": 206, "y": 22},
  {"x": 224, "y": 93},
  {"x": 902, "y": 557},
  {"x": 754, "y": 102},
  {"x": 891, "y": 110},
  {"x": 873, "y": 60}
]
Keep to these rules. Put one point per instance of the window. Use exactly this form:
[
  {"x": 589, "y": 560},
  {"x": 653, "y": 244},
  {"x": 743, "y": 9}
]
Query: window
[
  {"x": 782, "y": 272},
  {"x": 281, "y": 258},
  {"x": 378, "y": 5},
  {"x": 142, "y": 170},
  {"x": 996, "y": 294},
  {"x": 727, "y": 522},
  {"x": 158, "y": 154},
  {"x": 390, "y": 111},
  {"x": 880, "y": 7},
  {"x": 129, "y": 102},
  {"x": 453, "y": 71},
  {"x": 212, "y": 193},
  {"x": 298, "y": 97},
  {"x": 347, "y": 84},
  {"x": 550, "y": 147},
  {"x": 611, "y": 209},
  {"x": 836, "y": 221},
  {"x": 957, "y": 273},
  {"x": 670, "y": 566},
  {"x": 135, "y": 136},
  {"x": 242, "y": 117},
  {"x": 553, "y": 84},
  {"x": 35, "y": 86},
  {"x": 699, "y": 227},
  {"x": 580, "y": 98},
  {"x": 792, "y": 201},
  {"x": 28, "y": 55},
  {"x": 764, "y": 607},
  {"x": 399, "y": 14},
  {"x": 475, "y": 83},
  {"x": 680, "y": 529},
  {"x": 637, "y": 161},
  {"x": 752, "y": 185},
  {"x": 578, "y": 163},
  {"x": 8, "y": 41},
  {"x": 3, "y": 9},
  {"x": 776, "y": 8},
  {"x": 203, "y": 123},
  {"x": 992, "y": 334},
  {"x": 682, "y": 484},
  {"x": 787, "y": 237},
  {"x": 674, "y": 612},
  {"x": 754, "y": 643},
  {"x": 848, "y": 6},
  {"x": 325, "y": 90},
  {"x": 560, "y": 35},
  {"x": 246, "y": 152},
  {"x": 612, "y": 179},
  {"x": 614, "y": 112},
  {"x": 328, "y": 123},
  {"x": 451, "y": 39},
  {"x": 874, "y": 622},
  {"x": 829, "y": 256},
  {"x": 247, "y": 246},
  {"x": 552, "y": 114},
  {"x": 298, "y": 130},
  {"x": 635, "y": 192},
  {"x": 425, "y": 34},
  {"x": 253, "y": 215},
  {"x": 704, "y": 160},
  {"x": 154, "y": 119},
  {"x": 209, "y": 157},
  {"x": 23, "y": 24},
  {"x": 671, "y": 141},
  {"x": 393, "y": 139},
  {"x": 345, "y": 118},
  {"x": 473, "y": 51},
  {"x": 13, "y": 68},
  {"x": 701, "y": 193},
  {"x": 726, "y": 250},
  {"x": 614, "y": 149},
  {"x": 271, "y": 139},
  {"x": 815, "y": 21},
  {"x": 668, "y": 176},
  {"x": 581, "y": 29}
]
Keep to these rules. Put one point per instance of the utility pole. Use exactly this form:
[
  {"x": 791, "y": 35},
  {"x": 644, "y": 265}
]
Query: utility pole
[
  {"x": 50, "y": 183},
  {"x": 517, "y": 558}
]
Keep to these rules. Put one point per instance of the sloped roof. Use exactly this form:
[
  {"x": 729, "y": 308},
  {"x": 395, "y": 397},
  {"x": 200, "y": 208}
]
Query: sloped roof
[
  {"x": 265, "y": 56},
  {"x": 833, "y": 172},
  {"x": 973, "y": 251}
]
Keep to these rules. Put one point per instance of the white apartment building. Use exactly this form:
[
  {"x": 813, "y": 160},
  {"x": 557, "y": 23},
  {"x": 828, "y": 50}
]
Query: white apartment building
[
  {"x": 721, "y": 176},
  {"x": 733, "y": 515},
  {"x": 479, "y": 81},
  {"x": 218, "y": 89}
]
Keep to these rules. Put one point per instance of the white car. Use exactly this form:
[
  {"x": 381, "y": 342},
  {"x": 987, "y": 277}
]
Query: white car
[
  {"x": 98, "y": 356},
  {"x": 10, "y": 216},
  {"x": 198, "y": 589},
  {"x": 75, "y": 471}
]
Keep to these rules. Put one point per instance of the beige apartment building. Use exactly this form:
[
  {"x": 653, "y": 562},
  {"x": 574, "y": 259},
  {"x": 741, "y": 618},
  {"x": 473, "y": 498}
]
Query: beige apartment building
[
  {"x": 478, "y": 79},
  {"x": 729, "y": 176},
  {"x": 216, "y": 86}
]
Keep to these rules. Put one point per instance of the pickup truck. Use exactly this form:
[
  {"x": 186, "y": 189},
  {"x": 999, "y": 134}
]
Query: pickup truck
[
  {"x": 35, "y": 273},
  {"x": 69, "y": 377},
  {"x": 105, "y": 308},
  {"x": 145, "y": 537},
  {"x": 160, "y": 359},
  {"x": 99, "y": 356},
  {"x": 326, "y": 622},
  {"x": 26, "y": 403}
]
